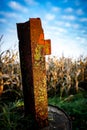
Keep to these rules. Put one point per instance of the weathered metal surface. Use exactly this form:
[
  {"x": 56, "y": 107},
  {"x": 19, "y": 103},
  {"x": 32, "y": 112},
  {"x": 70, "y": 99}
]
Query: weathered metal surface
[{"x": 32, "y": 48}]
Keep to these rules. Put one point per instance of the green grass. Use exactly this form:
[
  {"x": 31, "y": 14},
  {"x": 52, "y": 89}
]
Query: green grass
[
  {"x": 12, "y": 117},
  {"x": 76, "y": 108},
  {"x": 12, "y": 113}
]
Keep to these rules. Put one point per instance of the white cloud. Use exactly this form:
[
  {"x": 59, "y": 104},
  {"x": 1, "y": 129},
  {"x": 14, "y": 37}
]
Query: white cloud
[
  {"x": 63, "y": 43},
  {"x": 11, "y": 30},
  {"x": 83, "y": 31},
  {"x": 69, "y": 17},
  {"x": 83, "y": 19},
  {"x": 50, "y": 16},
  {"x": 17, "y": 6},
  {"x": 81, "y": 39},
  {"x": 69, "y": 10},
  {"x": 9, "y": 14},
  {"x": 56, "y": 9},
  {"x": 75, "y": 26},
  {"x": 79, "y": 12},
  {"x": 2, "y": 20},
  {"x": 31, "y": 2},
  {"x": 56, "y": 30},
  {"x": 69, "y": 47},
  {"x": 62, "y": 30},
  {"x": 59, "y": 23},
  {"x": 78, "y": 38},
  {"x": 67, "y": 24}
]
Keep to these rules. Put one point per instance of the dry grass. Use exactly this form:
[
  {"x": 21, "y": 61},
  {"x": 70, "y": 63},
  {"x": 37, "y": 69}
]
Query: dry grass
[
  {"x": 66, "y": 73},
  {"x": 10, "y": 75},
  {"x": 63, "y": 74}
]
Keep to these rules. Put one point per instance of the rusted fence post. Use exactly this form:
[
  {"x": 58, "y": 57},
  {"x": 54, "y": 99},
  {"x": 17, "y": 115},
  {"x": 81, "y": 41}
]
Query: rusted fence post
[{"x": 32, "y": 49}]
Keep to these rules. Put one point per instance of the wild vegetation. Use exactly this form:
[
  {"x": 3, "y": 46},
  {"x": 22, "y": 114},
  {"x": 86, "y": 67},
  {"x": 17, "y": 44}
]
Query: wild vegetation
[
  {"x": 66, "y": 76},
  {"x": 66, "y": 87}
]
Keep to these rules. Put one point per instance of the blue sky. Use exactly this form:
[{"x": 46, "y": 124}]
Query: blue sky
[{"x": 63, "y": 21}]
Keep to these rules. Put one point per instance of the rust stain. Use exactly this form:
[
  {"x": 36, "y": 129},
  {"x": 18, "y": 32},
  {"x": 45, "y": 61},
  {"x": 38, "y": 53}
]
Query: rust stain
[{"x": 33, "y": 48}]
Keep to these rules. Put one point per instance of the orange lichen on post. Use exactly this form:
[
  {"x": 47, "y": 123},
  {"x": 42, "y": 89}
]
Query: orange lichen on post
[{"x": 33, "y": 48}]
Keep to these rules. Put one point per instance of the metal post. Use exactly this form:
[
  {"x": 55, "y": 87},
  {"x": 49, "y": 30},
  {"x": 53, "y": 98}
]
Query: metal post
[{"x": 32, "y": 49}]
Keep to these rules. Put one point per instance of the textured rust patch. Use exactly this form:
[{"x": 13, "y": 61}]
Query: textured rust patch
[{"x": 33, "y": 48}]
